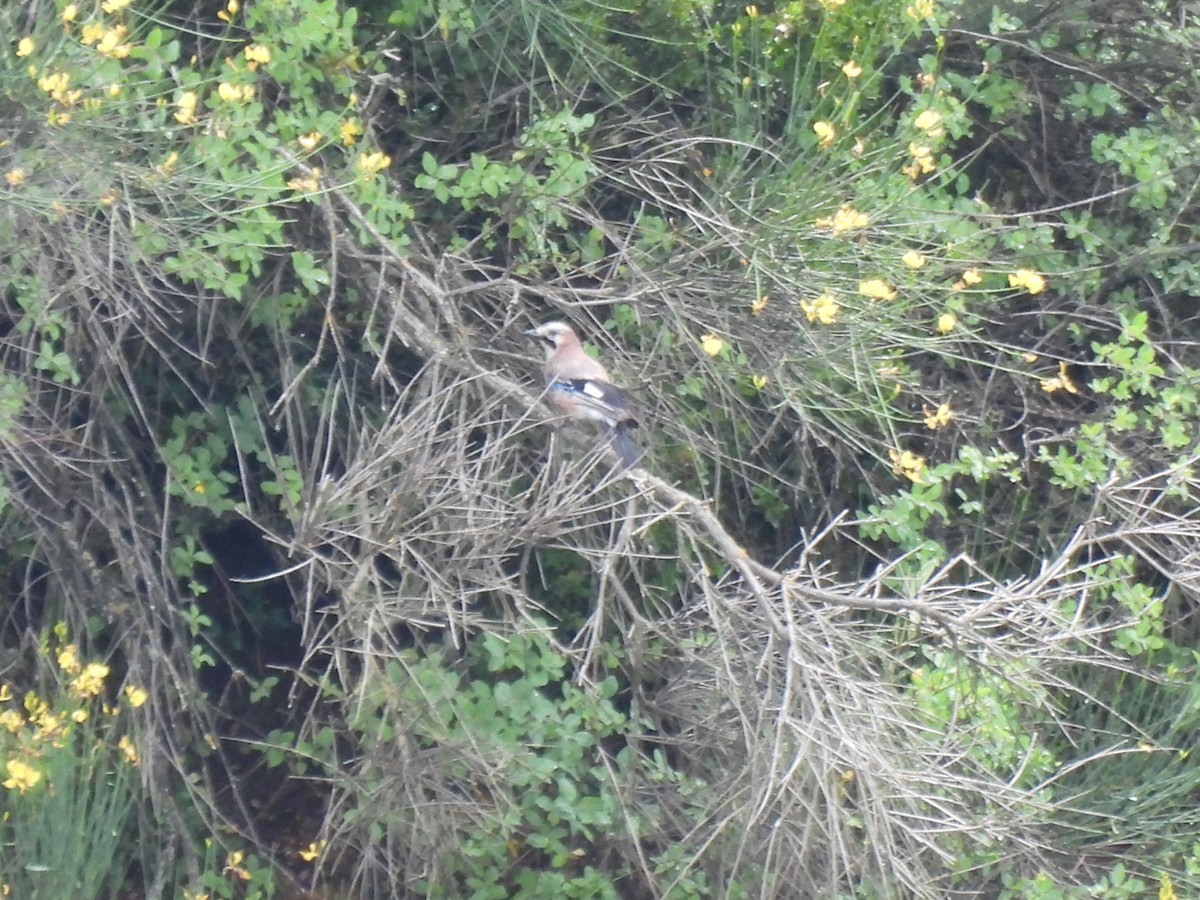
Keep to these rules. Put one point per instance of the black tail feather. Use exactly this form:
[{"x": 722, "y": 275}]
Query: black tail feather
[{"x": 624, "y": 445}]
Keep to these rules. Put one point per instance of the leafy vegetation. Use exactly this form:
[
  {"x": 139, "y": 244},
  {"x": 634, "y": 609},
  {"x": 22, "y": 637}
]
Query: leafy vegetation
[{"x": 900, "y": 603}]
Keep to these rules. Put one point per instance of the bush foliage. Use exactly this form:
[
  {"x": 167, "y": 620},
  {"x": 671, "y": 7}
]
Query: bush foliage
[{"x": 899, "y": 603}]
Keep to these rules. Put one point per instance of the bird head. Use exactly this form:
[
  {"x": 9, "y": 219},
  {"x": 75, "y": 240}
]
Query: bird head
[{"x": 553, "y": 335}]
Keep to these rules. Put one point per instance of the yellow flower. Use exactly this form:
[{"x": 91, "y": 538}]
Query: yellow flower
[
  {"x": 230, "y": 93},
  {"x": 757, "y": 307},
  {"x": 913, "y": 259},
  {"x": 935, "y": 418},
  {"x": 350, "y": 131},
  {"x": 136, "y": 696},
  {"x": 114, "y": 90},
  {"x": 70, "y": 11},
  {"x": 128, "y": 750},
  {"x": 199, "y": 488},
  {"x": 928, "y": 119},
  {"x": 847, "y": 218},
  {"x": 1029, "y": 357},
  {"x": 908, "y": 464},
  {"x": 711, "y": 344},
  {"x": 233, "y": 866},
  {"x": 15, "y": 177},
  {"x": 926, "y": 80},
  {"x": 112, "y": 6},
  {"x": 921, "y": 9},
  {"x": 309, "y": 141},
  {"x": 91, "y": 680},
  {"x": 1061, "y": 383},
  {"x": 370, "y": 164},
  {"x": 923, "y": 161},
  {"x": 930, "y": 122},
  {"x": 1028, "y": 279},
  {"x": 92, "y": 32},
  {"x": 312, "y": 851},
  {"x": 79, "y": 716},
  {"x": 5, "y": 693},
  {"x": 110, "y": 43},
  {"x": 168, "y": 164},
  {"x": 752, "y": 11},
  {"x": 109, "y": 197},
  {"x": 12, "y": 721},
  {"x": 49, "y": 727},
  {"x": 759, "y": 382},
  {"x": 851, "y": 69},
  {"x": 308, "y": 184},
  {"x": 25, "y": 46},
  {"x": 230, "y": 10},
  {"x": 824, "y": 309},
  {"x": 21, "y": 775},
  {"x": 55, "y": 85},
  {"x": 35, "y": 706},
  {"x": 68, "y": 659},
  {"x": 256, "y": 55},
  {"x": 876, "y": 289},
  {"x": 946, "y": 323},
  {"x": 185, "y": 112},
  {"x": 40, "y": 716},
  {"x": 825, "y": 133}
]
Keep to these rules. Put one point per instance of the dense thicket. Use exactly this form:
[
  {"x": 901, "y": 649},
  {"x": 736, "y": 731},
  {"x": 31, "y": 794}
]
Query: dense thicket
[{"x": 900, "y": 602}]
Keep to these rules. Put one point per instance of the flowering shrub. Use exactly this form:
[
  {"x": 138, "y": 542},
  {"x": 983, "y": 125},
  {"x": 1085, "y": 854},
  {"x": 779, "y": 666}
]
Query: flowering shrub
[{"x": 68, "y": 756}]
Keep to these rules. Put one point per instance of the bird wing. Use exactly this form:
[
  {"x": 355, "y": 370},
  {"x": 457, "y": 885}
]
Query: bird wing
[{"x": 596, "y": 399}]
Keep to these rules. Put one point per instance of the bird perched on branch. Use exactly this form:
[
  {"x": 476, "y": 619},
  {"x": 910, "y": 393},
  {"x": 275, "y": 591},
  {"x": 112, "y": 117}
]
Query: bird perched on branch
[{"x": 578, "y": 386}]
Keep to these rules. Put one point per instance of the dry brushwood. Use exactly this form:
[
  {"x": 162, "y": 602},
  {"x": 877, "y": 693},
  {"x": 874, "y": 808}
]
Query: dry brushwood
[
  {"x": 424, "y": 496},
  {"x": 822, "y": 770}
]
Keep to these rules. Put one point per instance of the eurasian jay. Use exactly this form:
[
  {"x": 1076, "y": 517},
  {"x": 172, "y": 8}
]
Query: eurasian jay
[{"x": 578, "y": 386}]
